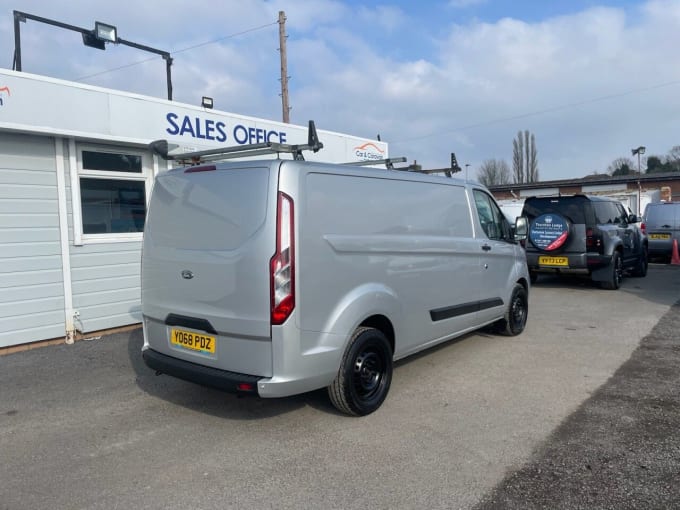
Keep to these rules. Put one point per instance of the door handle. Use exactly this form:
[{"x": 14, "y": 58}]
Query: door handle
[{"x": 486, "y": 247}]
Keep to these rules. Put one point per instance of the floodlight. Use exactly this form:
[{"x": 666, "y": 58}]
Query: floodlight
[{"x": 104, "y": 32}]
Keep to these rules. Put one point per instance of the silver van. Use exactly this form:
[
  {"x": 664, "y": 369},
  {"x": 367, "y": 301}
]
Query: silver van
[
  {"x": 277, "y": 277},
  {"x": 662, "y": 224}
]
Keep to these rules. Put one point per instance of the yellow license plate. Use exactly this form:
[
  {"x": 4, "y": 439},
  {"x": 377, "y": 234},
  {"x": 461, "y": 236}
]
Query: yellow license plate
[
  {"x": 545, "y": 260},
  {"x": 659, "y": 236},
  {"x": 192, "y": 341}
]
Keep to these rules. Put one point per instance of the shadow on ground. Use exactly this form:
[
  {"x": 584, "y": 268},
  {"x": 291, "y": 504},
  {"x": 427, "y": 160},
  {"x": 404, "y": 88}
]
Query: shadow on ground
[{"x": 213, "y": 401}]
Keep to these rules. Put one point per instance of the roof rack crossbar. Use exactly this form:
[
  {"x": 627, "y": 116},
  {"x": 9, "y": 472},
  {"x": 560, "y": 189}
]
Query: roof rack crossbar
[
  {"x": 388, "y": 162},
  {"x": 162, "y": 148}
]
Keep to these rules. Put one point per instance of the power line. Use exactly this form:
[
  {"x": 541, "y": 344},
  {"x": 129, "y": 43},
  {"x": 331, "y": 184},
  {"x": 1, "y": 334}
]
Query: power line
[
  {"x": 179, "y": 51},
  {"x": 541, "y": 112}
]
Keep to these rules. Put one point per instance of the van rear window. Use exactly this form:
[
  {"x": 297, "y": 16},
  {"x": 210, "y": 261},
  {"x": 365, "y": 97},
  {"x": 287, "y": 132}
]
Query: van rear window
[
  {"x": 667, "y": 214},
  {"x": 572, "y": 208},
  {"x": 217, "y": 210}
]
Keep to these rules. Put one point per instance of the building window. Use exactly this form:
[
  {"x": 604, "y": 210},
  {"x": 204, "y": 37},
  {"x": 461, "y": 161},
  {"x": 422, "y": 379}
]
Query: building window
[
  {"x": 112, "y": 162},
  {"x": 112, "y": 206},
  {"x": 113, "y": 188}
]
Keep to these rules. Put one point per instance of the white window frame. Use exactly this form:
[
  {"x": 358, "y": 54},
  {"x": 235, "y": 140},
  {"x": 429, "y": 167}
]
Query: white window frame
[{"x": 149, "y": 169}]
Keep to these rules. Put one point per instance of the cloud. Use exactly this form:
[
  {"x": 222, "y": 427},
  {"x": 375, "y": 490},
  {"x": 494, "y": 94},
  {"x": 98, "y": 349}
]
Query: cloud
[{"x": 590, "y": 85}]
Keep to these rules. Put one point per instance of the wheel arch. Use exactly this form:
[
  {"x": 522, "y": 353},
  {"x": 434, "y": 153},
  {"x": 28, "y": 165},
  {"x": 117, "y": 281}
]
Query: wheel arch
[
  {"x": 524, "y": 283},
  {"x": 382, "y": 324},
  {"x": 371, "y": 305}
]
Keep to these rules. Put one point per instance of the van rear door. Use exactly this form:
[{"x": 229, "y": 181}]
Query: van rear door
[
  {"x": 208, "y": 240},
  {"x": 662, "y": 225}
]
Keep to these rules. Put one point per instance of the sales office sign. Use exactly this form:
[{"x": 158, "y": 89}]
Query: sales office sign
[{"x": 198, "y": 128}]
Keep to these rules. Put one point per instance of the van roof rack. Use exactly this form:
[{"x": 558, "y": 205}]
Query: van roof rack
[
  {"x": 388, "y": 162},
  {"x": 163, "y": 148}
]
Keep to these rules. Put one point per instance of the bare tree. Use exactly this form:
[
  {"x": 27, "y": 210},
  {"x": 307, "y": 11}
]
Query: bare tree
[
  {"x": 622, "y": 166},
  {"x": 518, "y": 158},
  {"x": 494, "y": 171},
  {"x": 674, "y": 154},
  {"x": 673, "y": 159},
  {"x": 527, "y": 152},
  {"x": 532, "y": 161},
  {"x": 524, "y": 158}
]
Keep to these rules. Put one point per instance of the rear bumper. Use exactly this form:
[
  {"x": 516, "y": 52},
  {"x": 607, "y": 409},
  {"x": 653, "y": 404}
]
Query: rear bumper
[
  {"x": 231, "y": 382},
  {"x": 660, "y": 246},
  {"x": 577, "y": 263}
]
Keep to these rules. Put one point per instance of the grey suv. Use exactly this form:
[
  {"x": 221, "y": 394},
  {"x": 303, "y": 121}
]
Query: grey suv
[{"x": 584, "y": 234}]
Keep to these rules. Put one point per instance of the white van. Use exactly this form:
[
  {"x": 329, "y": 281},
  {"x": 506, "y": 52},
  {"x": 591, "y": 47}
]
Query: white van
[{"x": 279, "y": 277}]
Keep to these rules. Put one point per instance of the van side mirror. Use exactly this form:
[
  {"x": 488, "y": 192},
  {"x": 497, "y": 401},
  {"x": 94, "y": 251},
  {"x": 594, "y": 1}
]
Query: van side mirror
[
  {"x": 632, "y": 218},
  {"x": 521, "y": 228}
]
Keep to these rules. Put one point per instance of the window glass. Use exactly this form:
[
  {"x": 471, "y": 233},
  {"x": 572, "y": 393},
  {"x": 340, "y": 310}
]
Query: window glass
[
  {"x": 572, "y": 208},
  {"x": 112, "y": 162},
  {"x": 112, "y": 205},
  {"x": 493, "y": 222},
  {"x": 606, "y": 212}
]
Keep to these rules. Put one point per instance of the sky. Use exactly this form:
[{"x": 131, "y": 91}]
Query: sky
[{"x": 590, "y": 79}]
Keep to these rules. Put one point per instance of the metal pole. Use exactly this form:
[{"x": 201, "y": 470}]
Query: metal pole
[
  {"x": 639, "y": 186},
  {"x": 23, "y": 16},
  {"x": 168, "y": 63},
  {"x": 284, "y": 67},
  {"x": 17, "y": 42}
]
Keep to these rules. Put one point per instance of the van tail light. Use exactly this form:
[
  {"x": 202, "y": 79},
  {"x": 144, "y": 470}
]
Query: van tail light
[
  {"x": 643, "y": 228},
  {"x": 282, "y": 265},
  {"x": 593, "y": 241}
]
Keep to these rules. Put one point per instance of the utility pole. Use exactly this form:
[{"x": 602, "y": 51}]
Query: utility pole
[{"x": 284, "y": 67}]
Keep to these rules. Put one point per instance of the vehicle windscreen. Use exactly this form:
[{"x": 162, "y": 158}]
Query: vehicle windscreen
[
  {"x": 572, "y": 208},
  {"x": 662, "y": 214}
]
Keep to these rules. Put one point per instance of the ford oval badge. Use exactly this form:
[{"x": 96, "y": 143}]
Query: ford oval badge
[{"x": 187, "y": 275}]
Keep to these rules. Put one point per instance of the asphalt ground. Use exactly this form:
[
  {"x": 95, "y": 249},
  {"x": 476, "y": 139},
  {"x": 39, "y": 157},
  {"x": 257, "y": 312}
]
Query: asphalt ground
[
  {"x": 580, "y": 411},
  {"x": 620, "y": 449}
]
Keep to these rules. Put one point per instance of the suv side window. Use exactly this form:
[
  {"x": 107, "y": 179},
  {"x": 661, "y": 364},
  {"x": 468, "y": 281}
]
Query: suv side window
[
  {"x": 622, "y": 213},
  {"x": 493, "y": 221},
  {"x": 607, "y": 213}
]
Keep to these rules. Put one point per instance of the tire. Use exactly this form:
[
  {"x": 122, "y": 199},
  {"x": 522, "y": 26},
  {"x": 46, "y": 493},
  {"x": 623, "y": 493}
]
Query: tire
[
  {"x": 615, "y": 274},
  {"x": 516, "y": 314},
  {"x": 640, "y": 269},
  {"x": 365, "y": 374}
]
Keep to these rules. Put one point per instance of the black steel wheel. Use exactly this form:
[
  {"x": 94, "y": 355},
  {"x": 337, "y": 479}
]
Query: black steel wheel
[
  {"x": 365, "y": 373},
  {"x": 640, "y": 269},
  {"x": 616, "y": 273},
  {"x": 516, "y": 314}
]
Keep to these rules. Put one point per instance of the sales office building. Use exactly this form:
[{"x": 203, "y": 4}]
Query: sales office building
[{"x": 75, "y": 178}]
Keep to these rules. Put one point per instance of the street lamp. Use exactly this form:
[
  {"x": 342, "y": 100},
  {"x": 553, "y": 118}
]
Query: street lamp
[
  {"x": 97, "y": 38},
  {"x": 639, "y": 151},
  {"x": 467, "y": 165}
]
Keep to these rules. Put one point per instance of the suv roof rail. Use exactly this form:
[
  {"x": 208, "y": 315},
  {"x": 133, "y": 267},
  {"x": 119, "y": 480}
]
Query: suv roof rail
[{"x": 163, "y": 148}]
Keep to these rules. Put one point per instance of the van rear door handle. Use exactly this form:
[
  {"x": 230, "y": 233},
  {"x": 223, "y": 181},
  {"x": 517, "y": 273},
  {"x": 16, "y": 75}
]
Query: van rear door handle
[{"x": 486, "y": 247}]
